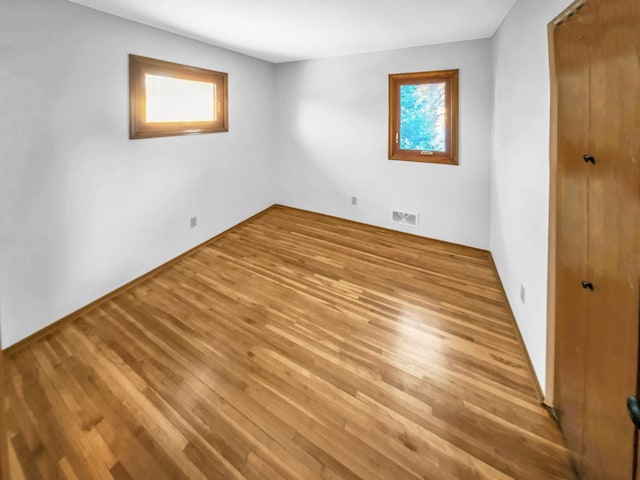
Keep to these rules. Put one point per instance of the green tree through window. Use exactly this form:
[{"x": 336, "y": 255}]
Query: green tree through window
[{"x": 422, "y": 112}]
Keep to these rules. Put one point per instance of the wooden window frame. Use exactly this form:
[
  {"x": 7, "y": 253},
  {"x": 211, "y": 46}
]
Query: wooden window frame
[
  {"x": 450, "y": 79},
  {"x": 140, "y": 128}
]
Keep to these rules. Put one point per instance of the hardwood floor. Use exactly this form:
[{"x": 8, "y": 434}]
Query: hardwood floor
[{"x": 296, "y": 346}]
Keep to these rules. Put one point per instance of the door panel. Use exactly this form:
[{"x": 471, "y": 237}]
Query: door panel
[
  {"x": 3, "y": 432},
  {"x": 597, "y": 55},
  {"x": 572, "y": 228},
  {"x": 614, "y": 220},
  {"x": 636, "y": 466}
]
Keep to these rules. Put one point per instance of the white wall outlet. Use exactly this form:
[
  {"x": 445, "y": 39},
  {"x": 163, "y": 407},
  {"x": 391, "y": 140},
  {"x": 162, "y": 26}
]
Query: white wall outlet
[
  {"x": 193, "y": 221},
  {"x": 523, "y": 293},
  {"x": 354, "y": 200}
]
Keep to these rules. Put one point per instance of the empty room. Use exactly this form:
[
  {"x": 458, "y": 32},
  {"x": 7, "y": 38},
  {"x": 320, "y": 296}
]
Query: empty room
[{"x": 338, "y": 240}]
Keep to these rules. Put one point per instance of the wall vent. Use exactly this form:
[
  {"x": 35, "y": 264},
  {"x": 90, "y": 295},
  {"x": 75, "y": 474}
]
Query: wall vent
[{"x": 404, "y": 218}]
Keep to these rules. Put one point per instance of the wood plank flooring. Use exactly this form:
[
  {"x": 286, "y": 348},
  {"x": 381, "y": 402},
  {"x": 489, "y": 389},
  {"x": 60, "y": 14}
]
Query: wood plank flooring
[{"x": 296, "y": 346}]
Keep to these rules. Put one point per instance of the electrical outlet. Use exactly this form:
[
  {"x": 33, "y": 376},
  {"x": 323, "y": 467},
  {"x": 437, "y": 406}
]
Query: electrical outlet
[
  {"x": 193, "y": 222},
  {"x": 354, "y": 200},
  {"x": 522, "y": 293}
]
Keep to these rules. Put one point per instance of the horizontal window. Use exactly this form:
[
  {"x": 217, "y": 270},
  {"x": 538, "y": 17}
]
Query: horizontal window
[
  {"x": 172, "y": 99},
  {"x": 423, "y": 117}
]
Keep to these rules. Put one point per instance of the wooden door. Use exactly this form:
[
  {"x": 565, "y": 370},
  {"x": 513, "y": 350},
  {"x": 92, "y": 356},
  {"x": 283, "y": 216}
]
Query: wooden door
[
  {"x": 3, "y": 432},
  {"x": 4, "y": 467},
  {"x": 597, "y": 328},
  {"x": 614, "y": 221},
  {"x": 573, "y": 80}
]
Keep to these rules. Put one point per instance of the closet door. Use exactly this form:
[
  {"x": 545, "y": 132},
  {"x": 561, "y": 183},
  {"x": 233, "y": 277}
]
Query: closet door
[
  {"x": 598, "y": 240},
  {"x": 4, "y": 467},
  {"x": 572, "y": 74},
  {"x": 614, "y": 223}
]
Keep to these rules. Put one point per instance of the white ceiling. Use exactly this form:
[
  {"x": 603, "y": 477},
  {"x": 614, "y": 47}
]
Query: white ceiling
[{"x": 287, "y": 30}]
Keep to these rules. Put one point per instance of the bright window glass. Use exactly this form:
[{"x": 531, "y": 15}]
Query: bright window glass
[
  {"x": 423, "y": 117},
  {"x": 177, "y": 100}
]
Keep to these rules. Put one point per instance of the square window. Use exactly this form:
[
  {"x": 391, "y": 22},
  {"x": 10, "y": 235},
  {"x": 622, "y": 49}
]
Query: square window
[{"x": 423, "y": 117}]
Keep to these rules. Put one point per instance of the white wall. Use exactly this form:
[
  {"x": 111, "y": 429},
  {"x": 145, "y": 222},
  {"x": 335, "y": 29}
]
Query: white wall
[
  {"x": 83, "y": 209},
  {"x": 520, "y": 166},
  {"x": 332, "y": 120}
]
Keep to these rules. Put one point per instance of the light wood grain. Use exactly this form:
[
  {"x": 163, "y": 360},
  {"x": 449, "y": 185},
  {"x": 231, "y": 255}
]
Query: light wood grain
[
  {"x": 572, "y": 228},
  {"x": 598, "y": 234},
  {"x": 4, "y": 459},
  {"x": 296, "y": 346}
]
